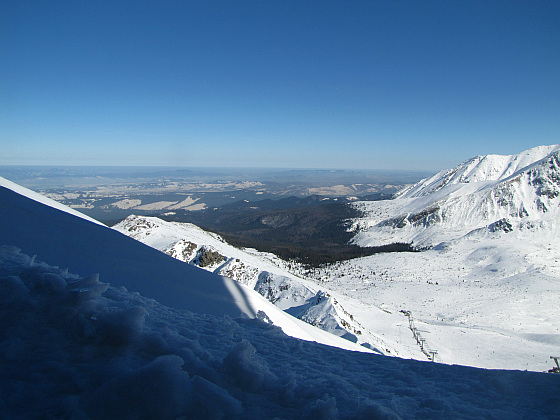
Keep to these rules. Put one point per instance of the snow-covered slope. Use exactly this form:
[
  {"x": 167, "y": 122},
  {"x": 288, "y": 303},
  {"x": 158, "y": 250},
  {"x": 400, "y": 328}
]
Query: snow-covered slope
[
  {"x": 486, "y": 292},
  {"x": 73, "y": 347},
  {"x": 5, "y": 183},
  {"x": 84, "y": 246},
  {"x": 482, "y": 195},
  {"x": 263, "y": 272},
  {"x": 483, "y": 169}
]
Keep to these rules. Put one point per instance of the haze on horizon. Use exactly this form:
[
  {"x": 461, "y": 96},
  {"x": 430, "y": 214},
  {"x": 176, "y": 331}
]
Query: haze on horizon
[{"x": 372, "y": 85}]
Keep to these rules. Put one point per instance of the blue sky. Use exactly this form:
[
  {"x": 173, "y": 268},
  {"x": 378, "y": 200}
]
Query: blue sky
[{"x": 417, "y": 85}]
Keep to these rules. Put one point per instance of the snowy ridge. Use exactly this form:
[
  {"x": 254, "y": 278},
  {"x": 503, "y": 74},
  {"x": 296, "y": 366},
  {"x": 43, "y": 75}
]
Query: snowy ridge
[
  {"x": 4, "y": 183},
  {"x": 480, "y": 169},
  {"x": 76, "y": 243},
  {"x": 517, "y": 192},
  {"x": 265, "y": 273}
]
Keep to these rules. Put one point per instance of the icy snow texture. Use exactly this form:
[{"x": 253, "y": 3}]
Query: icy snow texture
[{"x": 72, "y": 347}]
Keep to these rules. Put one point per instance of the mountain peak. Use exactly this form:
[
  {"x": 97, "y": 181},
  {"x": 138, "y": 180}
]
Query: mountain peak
[
  {"x": 488, "y": 168},
  {"x": 521, "y": 190}
]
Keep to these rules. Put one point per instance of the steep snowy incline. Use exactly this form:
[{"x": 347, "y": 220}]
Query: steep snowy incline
[
  {"x": 83, "y": 246},
  {"x": 167, "y": 237},
  {"x": 44, "y": 200}
]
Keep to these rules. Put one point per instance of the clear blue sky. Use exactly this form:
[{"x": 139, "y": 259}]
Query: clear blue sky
[{"x": 308, "y": 84}]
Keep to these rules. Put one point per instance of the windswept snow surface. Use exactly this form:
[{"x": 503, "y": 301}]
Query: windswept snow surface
[
  {"x": 486, "y": 292},
  {"x": 74, "y": 347}
]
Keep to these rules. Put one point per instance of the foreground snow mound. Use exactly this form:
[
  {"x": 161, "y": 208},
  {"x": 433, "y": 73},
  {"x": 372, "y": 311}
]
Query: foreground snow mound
[{"x": 73, "y": 347}]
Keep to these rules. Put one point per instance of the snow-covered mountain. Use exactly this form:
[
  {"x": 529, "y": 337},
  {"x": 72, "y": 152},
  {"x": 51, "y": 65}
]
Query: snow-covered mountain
[
  {"x": 488, "y": 168},
  {"x": 164, "y": 340},
  {"x": 485, "y": 289},
  {"x": 481, "y": 196},
  {"x": 263, "y": 272}
]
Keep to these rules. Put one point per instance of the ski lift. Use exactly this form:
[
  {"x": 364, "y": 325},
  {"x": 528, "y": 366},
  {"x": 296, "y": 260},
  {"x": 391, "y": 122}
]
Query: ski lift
[{"x": 555, "y": 369}]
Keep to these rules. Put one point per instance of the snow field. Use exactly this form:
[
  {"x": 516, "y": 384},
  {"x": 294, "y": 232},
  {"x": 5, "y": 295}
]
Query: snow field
[{"x": 488, "y": 308}]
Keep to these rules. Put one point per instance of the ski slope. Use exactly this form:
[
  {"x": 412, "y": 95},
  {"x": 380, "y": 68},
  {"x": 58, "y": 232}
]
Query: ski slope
[{"x": 486, "y": 292}]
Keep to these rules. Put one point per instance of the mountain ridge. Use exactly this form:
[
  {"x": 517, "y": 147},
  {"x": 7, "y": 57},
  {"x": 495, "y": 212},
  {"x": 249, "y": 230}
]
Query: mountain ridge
[
  {"x": 522, "y": 192},
  {"x": 480, "y": 169},
  {"x": 66, "y": 240},
  {"x": 269, "y": 275}
]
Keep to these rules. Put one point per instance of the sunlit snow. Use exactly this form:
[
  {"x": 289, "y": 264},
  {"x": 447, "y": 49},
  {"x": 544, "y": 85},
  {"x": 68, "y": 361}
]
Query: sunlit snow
[{"x": 97, "y": 325}]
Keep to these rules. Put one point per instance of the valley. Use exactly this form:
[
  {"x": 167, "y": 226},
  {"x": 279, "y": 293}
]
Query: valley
[
  {"x": 481, "y": 292},
  {"x": 313, "y": 231},
  {"x": 462, "y": 267}
]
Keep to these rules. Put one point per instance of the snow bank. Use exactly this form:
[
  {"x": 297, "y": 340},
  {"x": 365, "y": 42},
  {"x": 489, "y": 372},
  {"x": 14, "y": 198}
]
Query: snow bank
[{"x": 72, "y": 347}]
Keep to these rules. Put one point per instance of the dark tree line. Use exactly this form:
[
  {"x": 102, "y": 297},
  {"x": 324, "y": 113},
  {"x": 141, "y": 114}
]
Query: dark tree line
[{"x": 313, "y": 235}]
